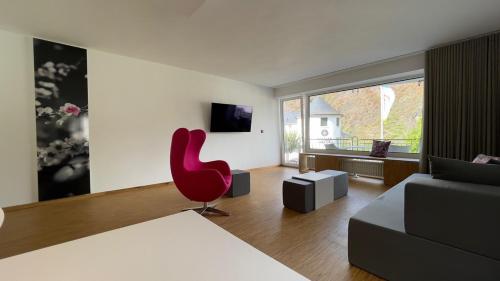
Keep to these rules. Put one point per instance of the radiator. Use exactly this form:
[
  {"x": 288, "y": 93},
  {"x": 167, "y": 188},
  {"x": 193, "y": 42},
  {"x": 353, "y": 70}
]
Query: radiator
[
  {"x": 311, "y": 162},
  {"x": 370, "y": 168}
]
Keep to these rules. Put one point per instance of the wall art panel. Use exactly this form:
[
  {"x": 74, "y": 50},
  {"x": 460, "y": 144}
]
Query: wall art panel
[{"x": 62, "y": 125}]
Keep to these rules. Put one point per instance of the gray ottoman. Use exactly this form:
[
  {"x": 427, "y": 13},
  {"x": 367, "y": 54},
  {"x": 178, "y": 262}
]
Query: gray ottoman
[
  {"x": 340, "y": 182},
  {"x": 240, "y": 184},
  {"x": 298, "y": 195}
]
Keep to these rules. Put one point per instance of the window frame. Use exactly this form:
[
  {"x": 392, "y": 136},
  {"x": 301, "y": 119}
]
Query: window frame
[
  {"x": 325, "y": 123},
  {"x": 281, "y": 101},
  {"x": 306, "y": 108}
]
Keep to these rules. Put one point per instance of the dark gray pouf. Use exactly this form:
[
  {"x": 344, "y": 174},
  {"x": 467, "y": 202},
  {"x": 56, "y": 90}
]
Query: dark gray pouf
[
  {"x": 240, "y": 184},
  {"x": 298, "y": 195}
]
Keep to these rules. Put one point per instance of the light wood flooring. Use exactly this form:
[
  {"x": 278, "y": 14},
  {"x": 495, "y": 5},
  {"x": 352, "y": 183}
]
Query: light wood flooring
[{"x": 313, "y": 244}]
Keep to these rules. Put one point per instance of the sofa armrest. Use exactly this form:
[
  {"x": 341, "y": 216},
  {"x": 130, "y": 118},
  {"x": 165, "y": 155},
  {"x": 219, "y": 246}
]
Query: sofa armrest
[{"x": 463, "y": 215}]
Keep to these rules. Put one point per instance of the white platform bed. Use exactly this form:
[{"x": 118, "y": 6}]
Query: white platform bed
[{"x": 183, "y": 246}]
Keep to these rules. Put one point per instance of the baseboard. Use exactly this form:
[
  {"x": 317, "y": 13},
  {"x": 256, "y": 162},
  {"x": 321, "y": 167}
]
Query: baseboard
[
  {"x": 103, "y": 193},
  {"x": 265, "y": 167},
  {"x": 81, "y": 197}
]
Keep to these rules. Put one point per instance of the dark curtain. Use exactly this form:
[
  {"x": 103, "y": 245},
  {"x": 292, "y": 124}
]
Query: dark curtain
[{"x": 462, "y": 100}]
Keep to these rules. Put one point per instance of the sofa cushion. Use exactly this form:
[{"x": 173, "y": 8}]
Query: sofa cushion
[
  {"x": 387, "y": 210},
  {"x": 378, "y": 243},
  {"x": 459, "y": 214},
  {"x": 463, "y": 171}
]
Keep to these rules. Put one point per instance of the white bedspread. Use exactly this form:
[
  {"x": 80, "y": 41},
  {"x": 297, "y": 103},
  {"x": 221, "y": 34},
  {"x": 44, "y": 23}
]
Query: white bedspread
[{"x": 183, "y": 246}]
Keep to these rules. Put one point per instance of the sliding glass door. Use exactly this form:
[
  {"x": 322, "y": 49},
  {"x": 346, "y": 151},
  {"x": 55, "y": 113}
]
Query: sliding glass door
[{"x": 292, "y": 129}]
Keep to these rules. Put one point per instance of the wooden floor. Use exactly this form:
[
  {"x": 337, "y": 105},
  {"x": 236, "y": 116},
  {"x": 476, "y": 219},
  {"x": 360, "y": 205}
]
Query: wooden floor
[{"x": 313, "y": 244}]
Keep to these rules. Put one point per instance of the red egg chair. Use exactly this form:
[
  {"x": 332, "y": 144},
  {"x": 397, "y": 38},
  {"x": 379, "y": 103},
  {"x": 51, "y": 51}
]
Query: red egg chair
[
  {"x": 198, "y": 181},
  {"x": 1, "y": 217}
]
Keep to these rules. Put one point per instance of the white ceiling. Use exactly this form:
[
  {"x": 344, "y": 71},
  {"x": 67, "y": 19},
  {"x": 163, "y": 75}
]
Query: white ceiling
[{"x": 266, "y": 42}]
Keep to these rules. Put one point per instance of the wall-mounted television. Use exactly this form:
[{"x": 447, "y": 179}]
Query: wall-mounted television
[{"x": 230, "y": 118}]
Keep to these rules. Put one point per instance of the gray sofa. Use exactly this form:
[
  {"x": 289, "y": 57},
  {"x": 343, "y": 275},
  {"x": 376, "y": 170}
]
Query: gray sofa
[{"x": 429, "y": 229}]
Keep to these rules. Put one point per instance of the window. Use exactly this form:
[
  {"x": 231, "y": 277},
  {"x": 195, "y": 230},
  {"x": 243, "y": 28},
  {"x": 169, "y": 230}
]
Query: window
[
  {"x": 383, "y": 112},
  {"x": 291, "y": 111},
  {"x": 324, "y": 121}
]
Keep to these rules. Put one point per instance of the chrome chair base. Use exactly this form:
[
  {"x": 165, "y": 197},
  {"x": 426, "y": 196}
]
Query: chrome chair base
[{"x": 206, "y": 210}]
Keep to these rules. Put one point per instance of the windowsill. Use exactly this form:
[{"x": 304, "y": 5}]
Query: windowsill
[{"x": 363, "y": 153}]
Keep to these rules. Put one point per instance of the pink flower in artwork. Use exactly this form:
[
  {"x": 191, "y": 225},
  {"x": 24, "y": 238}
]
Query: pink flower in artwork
[{"x": 70, "y": 109}]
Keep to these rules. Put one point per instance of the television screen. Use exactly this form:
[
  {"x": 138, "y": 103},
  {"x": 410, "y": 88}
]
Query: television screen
[{"x": 230, "y": 118}]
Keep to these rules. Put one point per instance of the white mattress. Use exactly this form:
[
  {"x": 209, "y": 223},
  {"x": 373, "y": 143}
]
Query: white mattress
[{"x": 183, "y": 246}]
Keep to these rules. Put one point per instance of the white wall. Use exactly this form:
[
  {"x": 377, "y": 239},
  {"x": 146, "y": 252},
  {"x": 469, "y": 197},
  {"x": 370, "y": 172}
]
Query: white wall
[
  {"x": 388, "y": 70},
  {"x": 134, "y": 106},
  {"x": 17, "y": 121}
]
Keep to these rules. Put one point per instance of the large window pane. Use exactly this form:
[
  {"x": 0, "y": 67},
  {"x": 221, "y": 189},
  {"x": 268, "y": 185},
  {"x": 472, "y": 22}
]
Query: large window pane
[
  {"x": 292, "y": 130},
  {"x": 351, "y": 120}
]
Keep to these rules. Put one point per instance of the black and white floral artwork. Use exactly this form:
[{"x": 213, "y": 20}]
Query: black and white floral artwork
[{"x": 61, "y": 120}]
